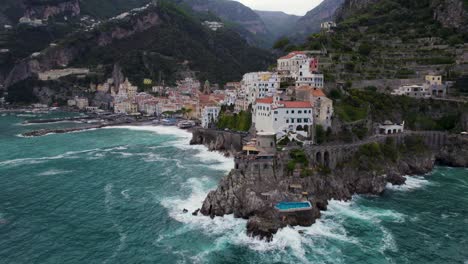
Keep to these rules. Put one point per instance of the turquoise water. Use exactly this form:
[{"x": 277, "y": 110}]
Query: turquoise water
[
  {"x": 117, "y": 195},
  {"x": 291, "y": 205}
]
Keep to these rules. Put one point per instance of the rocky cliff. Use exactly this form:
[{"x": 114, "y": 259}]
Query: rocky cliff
[
  {"x": 251, "y": 190},
  {"x": 218, "y": 140}
]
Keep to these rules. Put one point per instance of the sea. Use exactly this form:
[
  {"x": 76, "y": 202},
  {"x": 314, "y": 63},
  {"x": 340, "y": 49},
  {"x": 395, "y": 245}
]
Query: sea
[{"x": 117, "y": 195}]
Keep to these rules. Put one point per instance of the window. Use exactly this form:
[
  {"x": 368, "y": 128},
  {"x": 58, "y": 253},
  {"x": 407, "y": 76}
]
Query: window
[
  {"x": 299, "y": 112},
  {"x": 287, "y": 121},
  {"x": 292, "y": 120},
  {"x": 287, "y": 112},
  {"x": 292, "y": 111},
  {"x": 276, "y": 112},
  {"x": 276, "y": 119},
  {"x": 299, "y": 120}
]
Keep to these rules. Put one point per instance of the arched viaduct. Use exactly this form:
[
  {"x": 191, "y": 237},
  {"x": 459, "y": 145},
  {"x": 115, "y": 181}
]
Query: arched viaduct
[{"x": 332, "y": 154}]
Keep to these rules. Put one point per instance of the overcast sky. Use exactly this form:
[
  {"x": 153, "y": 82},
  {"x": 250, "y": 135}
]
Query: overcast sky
[{"x": 296, "y": 7}]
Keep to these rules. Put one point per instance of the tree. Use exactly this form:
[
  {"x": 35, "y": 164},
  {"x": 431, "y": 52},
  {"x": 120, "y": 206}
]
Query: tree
[{"x": 281, "y": 43}]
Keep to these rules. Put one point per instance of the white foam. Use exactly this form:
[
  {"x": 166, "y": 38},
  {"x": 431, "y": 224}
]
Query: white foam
[
  {"x": 53, "y": 172},
  {"x": 412, "y": 183},
  {"x": 66, "y": 155}
]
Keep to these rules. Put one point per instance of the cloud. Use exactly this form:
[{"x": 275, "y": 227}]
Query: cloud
[{"x": 296, "y": 7}]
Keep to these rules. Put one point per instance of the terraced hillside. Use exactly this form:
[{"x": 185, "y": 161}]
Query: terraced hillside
[{"x": 393, "y": 39}]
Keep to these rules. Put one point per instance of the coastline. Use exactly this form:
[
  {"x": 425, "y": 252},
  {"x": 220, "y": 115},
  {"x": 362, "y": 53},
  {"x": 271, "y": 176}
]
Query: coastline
[{"x": 249, "y": 195}]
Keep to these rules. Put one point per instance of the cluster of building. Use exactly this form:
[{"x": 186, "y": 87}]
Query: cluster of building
[
  {"x": 433, "y": 87},
  {"x": 213, "y": 25},
  {"x": 290, "y": 99}
]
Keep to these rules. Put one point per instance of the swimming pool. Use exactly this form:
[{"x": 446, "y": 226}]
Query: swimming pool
[{"x": 293, "y": 206}]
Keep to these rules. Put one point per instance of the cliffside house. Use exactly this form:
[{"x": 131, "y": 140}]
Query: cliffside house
[
  {"x": 257, "y": 85},
  {"x": 308, "y": 74},
  {"x": 291, "y": 63},
  {"x": 391, "y": 128},
  {"x": 272, "y": 115},
  {"x": 323, "y": 106}
]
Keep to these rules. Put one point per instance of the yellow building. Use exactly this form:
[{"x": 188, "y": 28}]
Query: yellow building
[{"x": 434, "y": 79}]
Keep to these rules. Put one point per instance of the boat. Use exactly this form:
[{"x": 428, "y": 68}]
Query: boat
[
  {"x": 185, "y": 124},
  {"x": 168, "y": 122}
]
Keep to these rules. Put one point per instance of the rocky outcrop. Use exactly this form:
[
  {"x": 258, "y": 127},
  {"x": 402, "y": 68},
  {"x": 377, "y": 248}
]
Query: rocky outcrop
[
  {"x": 218, "y": 140},
  {"x": 49, "y": 9},
  {"x": 252, "y": 189},
  {"x": 451, "y": 14}
]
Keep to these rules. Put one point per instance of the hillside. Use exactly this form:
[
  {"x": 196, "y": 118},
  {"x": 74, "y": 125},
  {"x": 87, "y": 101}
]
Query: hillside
[
  {"x": 159, "y": 41},
  {"x": 238, "y": 16},
  {"x": 310, "y": 23},
  {"x": 278, "y": 23}
]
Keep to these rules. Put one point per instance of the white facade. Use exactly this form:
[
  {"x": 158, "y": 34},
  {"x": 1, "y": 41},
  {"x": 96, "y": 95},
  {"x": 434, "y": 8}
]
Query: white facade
[
  {"x": 274, "y": 116},
  {"x": 260, "y": 85},
  {"x": 416, "y": 91},
  {"x": 291, "y": 62},
  {"x": 389, "y": 128},
  {"x": 308, "y": 74},
  {"x": 328, "y": 25},
  {"x": 210, "y": 115}
]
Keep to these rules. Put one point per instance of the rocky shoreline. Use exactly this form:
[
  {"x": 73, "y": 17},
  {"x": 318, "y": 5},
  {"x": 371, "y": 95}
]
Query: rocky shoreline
[{"x": 251, "y": 190}]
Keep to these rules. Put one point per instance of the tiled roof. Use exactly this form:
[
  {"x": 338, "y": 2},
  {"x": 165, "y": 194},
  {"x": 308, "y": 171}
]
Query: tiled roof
[
  {"x": 296, "y": 104},
  {"x": 291, "y": 54},
  {"x": 317, "y": 93},
  {"x": 267, "y": 100}
]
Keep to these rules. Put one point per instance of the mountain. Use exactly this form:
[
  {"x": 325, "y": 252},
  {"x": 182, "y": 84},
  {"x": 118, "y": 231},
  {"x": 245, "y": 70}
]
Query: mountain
[
  {"x": 160, "y": 40},
  {"x": 247, "y": 22},
  {"x": 278, "y": 23},
  {"x": 310, "y": 23}
]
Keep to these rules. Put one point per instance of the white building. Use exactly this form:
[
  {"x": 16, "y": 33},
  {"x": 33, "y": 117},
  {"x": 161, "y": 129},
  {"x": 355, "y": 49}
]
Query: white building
[
  {"x": 213, "y": 25},
  {"x": 275, "y": 116},
  {"x": 308, "y": 74},
  {"x": 390, "y": 128},
  {"x": 210, "y": 115},
  {"x": 416, "y": 91},
  {"x": 260, "y": 85},
  {"x": 328, "y": 25},
  {"x": 290, "y": 63}
]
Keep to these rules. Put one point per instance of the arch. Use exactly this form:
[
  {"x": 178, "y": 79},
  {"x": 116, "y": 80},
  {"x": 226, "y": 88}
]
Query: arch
[
  {"x": 306, "y": 128},
  {"x": 299, "y": 128},
  {"x": 326, "y": 159},
  {"x": 394, "y": 131},
  {"x": 318, "y": 157}
]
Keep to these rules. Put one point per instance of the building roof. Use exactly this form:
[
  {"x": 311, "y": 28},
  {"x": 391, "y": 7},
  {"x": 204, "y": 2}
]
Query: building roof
[
  {"x": 292, "y": 54},
  {"x": 266, "y": 100},
  {"x": 318, "y": 93},
  {"x": 295, "y": 104}
]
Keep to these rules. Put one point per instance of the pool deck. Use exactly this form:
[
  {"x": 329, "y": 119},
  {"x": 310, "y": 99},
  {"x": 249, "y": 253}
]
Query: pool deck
[{"x": 307, "y": 206}]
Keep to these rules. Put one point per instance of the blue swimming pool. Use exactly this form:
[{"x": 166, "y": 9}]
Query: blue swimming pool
[{"x": 291, "y": 206}]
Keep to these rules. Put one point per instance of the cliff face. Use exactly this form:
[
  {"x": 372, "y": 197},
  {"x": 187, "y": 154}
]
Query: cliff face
[
  {"x": 278, "y": 23},
  {"x": 251, "y": 190},
  {"x": 451, "y": 14}
]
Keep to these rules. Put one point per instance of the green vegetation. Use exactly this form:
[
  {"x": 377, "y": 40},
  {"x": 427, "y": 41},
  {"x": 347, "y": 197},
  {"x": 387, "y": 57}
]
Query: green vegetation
[
  {"x": 298, "y": 157},
  {"x": 219, "y": 56},
  {"x": 374, "y": 155},
  {"x": 418, "y": 114},
  {"x": 237, "y": 122}
]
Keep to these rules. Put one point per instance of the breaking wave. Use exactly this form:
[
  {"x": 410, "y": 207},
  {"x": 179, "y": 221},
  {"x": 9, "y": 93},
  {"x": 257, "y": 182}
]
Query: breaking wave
[{"x": 412, "y": 183}]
